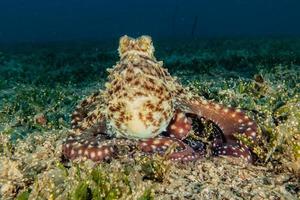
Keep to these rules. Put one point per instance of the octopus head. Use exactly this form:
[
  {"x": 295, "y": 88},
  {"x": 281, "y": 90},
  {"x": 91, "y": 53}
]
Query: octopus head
[{"x": 142, "y": 44}]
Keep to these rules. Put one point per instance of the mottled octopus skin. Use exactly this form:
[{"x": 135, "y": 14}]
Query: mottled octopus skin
[{"x": 141, "y": 100}]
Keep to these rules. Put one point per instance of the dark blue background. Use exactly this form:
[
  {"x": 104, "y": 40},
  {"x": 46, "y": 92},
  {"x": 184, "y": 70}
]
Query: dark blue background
[{"x": 56, "y": 20}]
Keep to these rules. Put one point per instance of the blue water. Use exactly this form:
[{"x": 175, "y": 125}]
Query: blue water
[{"x": 61, "y": 20}]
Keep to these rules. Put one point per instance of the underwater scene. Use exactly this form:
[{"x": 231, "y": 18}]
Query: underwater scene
[{"x": 149, "y": 100}]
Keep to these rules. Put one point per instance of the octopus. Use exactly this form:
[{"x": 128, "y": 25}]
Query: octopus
[{"x": 143, "y": 103}]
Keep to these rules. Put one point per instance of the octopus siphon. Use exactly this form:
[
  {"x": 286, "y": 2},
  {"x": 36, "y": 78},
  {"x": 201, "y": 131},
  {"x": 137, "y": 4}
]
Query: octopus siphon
[{"x": 143, "y": 103}]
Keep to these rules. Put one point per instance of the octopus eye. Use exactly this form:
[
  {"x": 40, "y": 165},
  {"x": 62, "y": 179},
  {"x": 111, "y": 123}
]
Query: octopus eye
[
  {"x": 145, "y": 43},
  {"x": 124, "y": 44}
]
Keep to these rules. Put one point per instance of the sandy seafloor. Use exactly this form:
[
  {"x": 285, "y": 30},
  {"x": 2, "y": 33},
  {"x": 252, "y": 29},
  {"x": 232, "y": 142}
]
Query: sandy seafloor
[{"x": 41, "y": 84}]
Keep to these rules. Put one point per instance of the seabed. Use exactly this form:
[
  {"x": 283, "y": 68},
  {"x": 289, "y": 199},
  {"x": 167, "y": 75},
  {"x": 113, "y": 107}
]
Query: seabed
[{"x": 40, "y": 86}]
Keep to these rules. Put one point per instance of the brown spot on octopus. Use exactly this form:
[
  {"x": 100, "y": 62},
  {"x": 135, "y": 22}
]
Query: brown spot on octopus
[{"x": 140, "y": 102}]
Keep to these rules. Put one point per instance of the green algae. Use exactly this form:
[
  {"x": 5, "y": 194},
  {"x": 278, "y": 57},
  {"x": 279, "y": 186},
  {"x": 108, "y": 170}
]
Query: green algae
[
  {"x": 101, "y": 186},
  {"x": 23, "y": 196},
  {"x": 20, "y": 112},
  {"x": 154, "y": 169}
]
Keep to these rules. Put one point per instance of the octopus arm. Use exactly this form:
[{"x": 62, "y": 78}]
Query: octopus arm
[
  {"x": 179, "y": 126},
  {"x": 231, "y": 121},
  {"x": 160, "y": 145},
  {"x": 85, "y": 140},
  {"x": 86, "y": 147},
  {"x": 83, "y": 109}
]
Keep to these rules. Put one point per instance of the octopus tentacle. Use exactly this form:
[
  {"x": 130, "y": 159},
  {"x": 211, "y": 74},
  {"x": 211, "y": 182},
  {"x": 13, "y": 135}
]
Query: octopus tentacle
[
  {"x": 87, "y": 146},
  {"x": 231, "y": 121},
  {"x": 235, "y": 150},
  {"x": 159, "y": 145},
  {"x": 86, "y": 139},
  {"x": 94, "y": 122},
  {"x": 83, "y": 109},
  {"x": 179, "y": 126}
]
